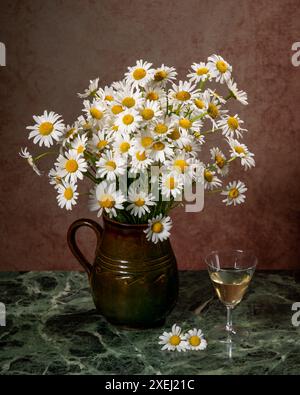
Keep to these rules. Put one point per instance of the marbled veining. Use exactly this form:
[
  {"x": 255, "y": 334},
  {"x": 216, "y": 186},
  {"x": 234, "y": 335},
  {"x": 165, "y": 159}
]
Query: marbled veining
[{"x": 52, "y": 328}]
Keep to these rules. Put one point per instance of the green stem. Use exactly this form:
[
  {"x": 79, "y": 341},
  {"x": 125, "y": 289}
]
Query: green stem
[
  {"x": 199, "y": 117},
  {"x": 214, "y": 191},
  {"x": 44, "y": 154}
]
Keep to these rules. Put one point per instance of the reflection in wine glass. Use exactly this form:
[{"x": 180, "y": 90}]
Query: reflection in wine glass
[{"x": 231, "y": 272}]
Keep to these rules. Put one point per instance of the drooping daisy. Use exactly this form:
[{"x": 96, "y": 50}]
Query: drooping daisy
[
  {"x": 24, "y": 153},
  {"x": 220, "y": 69},
  {"x": 240, "y": 96},
  {"x": 164, "y": 74},
  {"x": 122, "y": 145},
  {"x": 158, "y": 229},
  {"x": 54, "y": 178},
  {"x": 128, "y": 121},
  {"x": 140, "y": 161},
  {"x": 91, "y": 90},
  {"x": 241, "y": 151},
  {"x": 100, "y": 142},
  {"x": 150, "y": 111},
  {"x": 195, "y": 340},
  {"x": 220, "y": 161},
  {"x": 213, "y": 108},
  {"x": 234, "y": 193},
  {"x": 161, "y": 150},
  {"x": 71, "y": 166},
  {"x": 69, "y": 133},
  {"x": 183, "y": 93},
  {"x": 140, "y": 74},
  {"x": 171, "y": 185},
  {"x": 231, "y": 126},
  {"x": 110, "y": 166},
  {"x": 140, "y": 202},
  {"x": 80, "y": 144},
  {"x": 200, "y": 72},
  {"x": 211, "y": 181},
  {"x": 174, "y": 340},
  {"x": 67, "y": 195},
  {"x": 48, "y": 127},
  {"x": 106, "y": 94},
  {"x": 106, "y": 197},
  {"x": 95, "y": 111}
]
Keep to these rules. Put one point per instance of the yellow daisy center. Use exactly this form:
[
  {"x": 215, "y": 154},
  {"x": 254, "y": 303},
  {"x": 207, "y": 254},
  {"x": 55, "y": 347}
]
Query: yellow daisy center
[
  {"x": 158, "y": 146},
  {"x": 161, "y": 128},
  {"x": 239, "y": 149},
  {"x": 110, "y": 165},
  {"x": 46, "y": 128},
  {"x": 80, "y": 149},
  {"x": 188, "y": 148},
  {"x": 116, "y": 109},
  {"x": 107, "y": 201},
  {"x": 233, "y": 193},
  {"x": 124, "y": 147},
  {"x": 194, "y": 341},
  {"x": 220, "y": 161},
  {"x": 199, "y": 103},
  {"x": 183, "y": 95},
  {"x": 213, "y": 110},
  {"x": 95, "y": 113},
  {"x": 141, "y": 156},
  {"x": 86, "y": 126},
  {"x": 146, "y": 141},
  {"x": 181, "y": 163},
  {"x": 115, "y": 128},
  {"x": 139, "y": 202},
  {"x": 128, "y": 119},
  {"x": 197, "y": 135},
  {"x": 152, "y": 96},
  {"x": 221, "y": 66},
  {"x": 233, "y": 123},
  {"x": 102, "y": 144},
  {"x": 108, "y": 98},
  {"x": 202, "y": 71},
  {"x": 170, "y": 183},
  {"x": 157, "y": 227},
  {"x": 174, "y": 340},
  {"x": 175, "y": 135},
  {"x": 139, "y": 74},
  {"x": 68, "y": 194},
  {"x": 128, "y": 102},
  {"x": 185, "y": 123},
  {"x": 70, "y": 132},
  {"x": 71, "y": 166},
  {"x": 160, "y": 75},
  {"x": 147, "y": 114},
  {"x": 208, "y": 175}
]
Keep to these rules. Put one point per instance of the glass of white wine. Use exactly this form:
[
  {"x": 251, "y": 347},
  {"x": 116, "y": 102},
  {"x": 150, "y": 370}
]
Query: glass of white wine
[{"x": 230, "y": 272}]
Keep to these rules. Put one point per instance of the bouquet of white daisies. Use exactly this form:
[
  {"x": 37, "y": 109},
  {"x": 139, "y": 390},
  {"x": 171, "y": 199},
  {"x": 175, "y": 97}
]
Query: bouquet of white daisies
[{"x": 142, "y": 122}]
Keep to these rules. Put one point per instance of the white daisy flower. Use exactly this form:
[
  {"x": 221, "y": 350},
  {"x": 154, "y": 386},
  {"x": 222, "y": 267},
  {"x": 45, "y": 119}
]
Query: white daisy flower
[
  {"x": 143, "y": 142},
  {"x": 149, "y": 111},
  {"x": 161, "y": 150},
  {"x": 195, "y": 340},
  {"x": 100, "y": 142},
  {"x": 79, "y": 145},
  {"x": 129, "y": 97},
  {"x": 241, "y": 151},
  {"x": 187, "y": 123},
  {"x": 140, "y": 161},
  {"x": 216, "y": 95},
  {"x": 200, "y": 138},
  {"x": 183, "y": 93},
  {"x": 82, "y": 124},
  {"x": 174, "y": 340},
  {"x": 139, "y": 202},
  {"x": 110, "y": 166},
  {"x": 119, "y": 86},
  {"x": 71, "y": 166},
  {"x": 240, "y": 96},
  {"x": 220, "y": 161},
  {"x": 192, "y": 146},
  {"x": 48, "y": 127},
  {"x": 67, "y": 195},
  {"x": 171, "y": 184},
  {"x": 91, "y": 90},
  {"x": 213, "y": 108},
  {"x": 122, "y": 145},
  {"x": 69, "y": 133},
  {"x": 140, "y": 74},
  {"x": 158, "y": 228},
  {"x": 24, "y": 153},
  {"x": 105, "y": 198},
  {"x": 164, "y": 74},
  {"x": 162, "y": 126},
  {"x": 220, "y": 69},
  {"x": 54, "y": 178},
  {"x": 200, "y": 72},
  {"x": 231, "y": 126},
  {"x": 178, "y": 138},
  {"x": 128, "y": 121},
  {"x": 95, "y": 111},
  {"x": 234, "y": 193},
  {"x": 155, "y": 94},
  {"x": 211, "y": 181},
  {"x": 106, "y": 94}
]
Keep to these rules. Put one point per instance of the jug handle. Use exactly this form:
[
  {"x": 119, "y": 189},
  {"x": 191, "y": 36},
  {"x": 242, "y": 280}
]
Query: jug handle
[{"x": 71, "y": 237}]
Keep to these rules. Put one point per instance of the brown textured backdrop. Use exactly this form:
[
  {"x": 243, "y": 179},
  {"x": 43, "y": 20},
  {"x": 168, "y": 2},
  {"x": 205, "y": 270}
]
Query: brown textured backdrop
[{"x": 54, "y": 48}]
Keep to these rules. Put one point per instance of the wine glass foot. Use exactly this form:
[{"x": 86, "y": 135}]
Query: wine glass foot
[{"x": 221, "y": 334}]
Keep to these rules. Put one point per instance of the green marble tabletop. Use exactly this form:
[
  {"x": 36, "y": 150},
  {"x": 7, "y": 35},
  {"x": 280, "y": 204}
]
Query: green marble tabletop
[{"x": 53, "y": 328}]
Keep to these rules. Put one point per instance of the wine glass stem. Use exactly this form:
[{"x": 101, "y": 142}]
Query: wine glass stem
[{"x": 229, "y": 327}]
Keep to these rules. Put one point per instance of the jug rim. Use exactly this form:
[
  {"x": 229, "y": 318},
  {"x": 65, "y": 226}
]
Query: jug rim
[{"x": 124, "y": 224}]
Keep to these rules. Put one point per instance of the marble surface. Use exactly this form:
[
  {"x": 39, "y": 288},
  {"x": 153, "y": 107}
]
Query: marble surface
[{"x": 52, "y": 328}]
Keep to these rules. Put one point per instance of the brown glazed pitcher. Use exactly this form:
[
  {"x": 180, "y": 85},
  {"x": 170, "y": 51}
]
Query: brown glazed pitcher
[{"x": 134, "y": 282}]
